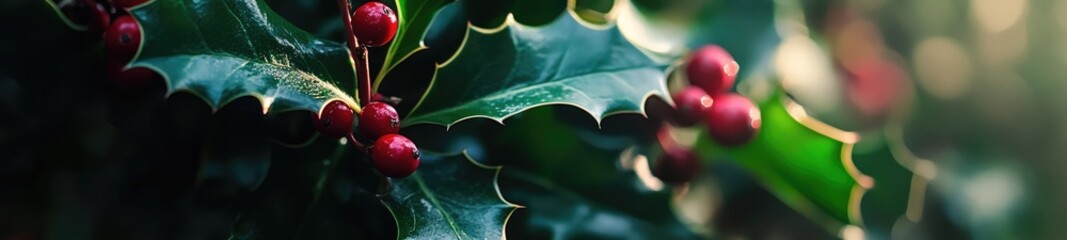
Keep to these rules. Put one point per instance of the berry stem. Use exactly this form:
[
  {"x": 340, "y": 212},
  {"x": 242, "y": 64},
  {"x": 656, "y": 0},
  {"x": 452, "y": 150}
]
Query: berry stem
[
  {"x": 363, "y": 75},
  {"x": 665, "y": 139},
  {"x": 359, "y": 54},
  {"x": 355, "y": 143}
]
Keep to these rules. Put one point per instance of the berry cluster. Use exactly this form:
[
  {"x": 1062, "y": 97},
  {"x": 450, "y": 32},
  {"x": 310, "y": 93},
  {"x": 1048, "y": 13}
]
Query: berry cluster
[
  {"x": 121, "y": 35},
  {"x": 392, "y": 154},
  {"x": 731, "y": 119},
  {"x": 373, "y": 24}
]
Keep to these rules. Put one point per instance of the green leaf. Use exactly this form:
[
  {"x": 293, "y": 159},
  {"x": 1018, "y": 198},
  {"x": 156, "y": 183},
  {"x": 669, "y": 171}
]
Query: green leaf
[
  {"x": 567, "y": 172},
  {"x": 804, "y": 162},
  {"x": 557, "y": 211},
  {"x": 534, "y": 13},
  {"x": 594, "y": 11},
  {"x": 222, "y": 50},
  {"x": 415, "y": 17},
  {"x": 498, "y": 73},
  {"x": 449, "y": 197},
  {"x": 885, "y": 204}
]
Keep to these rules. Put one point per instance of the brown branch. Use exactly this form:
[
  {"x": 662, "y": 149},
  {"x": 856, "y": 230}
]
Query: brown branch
[
  {"x": 359, "y": 54},
  {"x": 364, "y": 77}
]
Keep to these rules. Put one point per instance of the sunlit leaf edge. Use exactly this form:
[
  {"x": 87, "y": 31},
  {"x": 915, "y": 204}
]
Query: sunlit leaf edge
[
  {"x": 263, "y": 101},
  {"x": 848, "y": 141},
  {"x": 63, "y": 17},
  {"x": 496, "y": 187},
  {"x": 388, "y": 64},
  {"x": 500, "y": 120}
]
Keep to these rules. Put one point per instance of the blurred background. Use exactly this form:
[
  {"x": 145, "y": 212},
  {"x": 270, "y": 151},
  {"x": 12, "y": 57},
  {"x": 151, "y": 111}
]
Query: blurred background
[
  {"x": 963, "y": 96},
  {"x": 958, "y": 103},
  {"x": 976, "y": 110}
]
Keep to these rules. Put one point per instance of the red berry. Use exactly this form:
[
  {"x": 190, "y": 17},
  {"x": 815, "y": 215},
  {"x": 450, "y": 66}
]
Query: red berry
[
  {"x": 378, "y": 119},
  {"x": 691, "y": 103},
  {"x": 713, "y": 69},
  {"x": 874, "y": 87},
  {"x": 677, "y": 165},
  {"x": 90, "y": 14},
  {"x": 374, "y": 24},
  {"x": 126, "y": 3},
  {"x": 395, "y": 156},
  {"x": 130, "y": 78},
  {"x": 732, "y": 119},
  {"x": 123, "y": 39},
  {"x": 335, "y": 121}
]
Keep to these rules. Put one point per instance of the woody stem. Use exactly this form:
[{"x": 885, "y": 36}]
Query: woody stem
[{"x": 359, "y": 54}]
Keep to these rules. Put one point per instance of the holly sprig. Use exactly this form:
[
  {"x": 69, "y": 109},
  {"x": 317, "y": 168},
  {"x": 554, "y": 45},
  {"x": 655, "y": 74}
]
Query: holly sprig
[
  {"x": 284, "y": 68},
  {"x": 358, "y": 51}
]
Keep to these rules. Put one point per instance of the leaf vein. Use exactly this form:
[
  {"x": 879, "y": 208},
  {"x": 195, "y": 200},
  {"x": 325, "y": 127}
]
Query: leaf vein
[
  {"x": 240, "y": 24},
  {"x": 433, "y": 199}
]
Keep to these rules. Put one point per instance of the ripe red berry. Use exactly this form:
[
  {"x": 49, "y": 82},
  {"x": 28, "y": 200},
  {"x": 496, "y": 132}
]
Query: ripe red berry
[
  {"x": 378, "y": 119},
  {"x": 126, "y": 3},
  {"x": 130, "y": 78},
  {"x": 90, "y": 14},
  {"x": 374, "y": 24},
  {"x": 677, "y": 165},
  {"x": 395, "y": 156},
  {"x": 335, "y": 120},
  {"x": 732, "y": 119},
  {"x": 713, "y": 69},
  {"x": 122, "y": 39},
  {"x": 690, "y": 103}
]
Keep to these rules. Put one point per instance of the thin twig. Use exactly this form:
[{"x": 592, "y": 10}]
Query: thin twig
[
  {"x": 358, "y": 145},
  {"x": 364, "y": 77},
  {"x": 359, "y": 54}
]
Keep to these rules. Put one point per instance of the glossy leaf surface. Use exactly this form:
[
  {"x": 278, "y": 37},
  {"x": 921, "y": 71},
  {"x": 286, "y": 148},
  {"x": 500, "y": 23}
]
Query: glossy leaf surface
[{"x": 222, "y": 50}]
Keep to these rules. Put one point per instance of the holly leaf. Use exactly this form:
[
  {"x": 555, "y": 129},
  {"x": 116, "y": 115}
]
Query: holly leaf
[
  {"x": 557, "y": 211},
  {"x": 223, "y": 50},
  {"x": 500, "y": 72},
  {"x": 804, "y": 162},
  {"x": 575, "y": 180},
  {"x": 450, "y": 196},
  {"x": 884, "y": 205},
  {"x": 414, "y": 18},
  {"x": 579, "y": 181}
]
